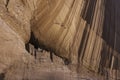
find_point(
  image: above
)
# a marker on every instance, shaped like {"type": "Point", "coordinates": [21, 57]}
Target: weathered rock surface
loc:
{"type": "Point", "coordinates": [83, 34]}
{"type": "Point", "coordinates": [57, 22]}
{"type": "Point", "coordinates": [14, 33]}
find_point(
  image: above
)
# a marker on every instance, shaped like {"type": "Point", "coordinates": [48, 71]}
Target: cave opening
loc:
{"type": "Point", "coordinates": [33, 42]}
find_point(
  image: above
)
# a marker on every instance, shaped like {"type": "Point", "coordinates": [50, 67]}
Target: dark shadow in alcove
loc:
{"type": "Point", "coordinates": [34, 41]}
{"type": "Point", "coordinates": [2, 76]}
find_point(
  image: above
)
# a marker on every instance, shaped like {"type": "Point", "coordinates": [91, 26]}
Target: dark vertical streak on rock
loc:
{"type": "Point", "coordinates": [83, 45]}
{"type": "Point", "coordinates": [51, 56]}
{"type": "Point", "coordinates": [90, 11]}
{"type": "Point", "coordinates": [7, 2]}
{"type": "Point", "coordinates": [34, 41]}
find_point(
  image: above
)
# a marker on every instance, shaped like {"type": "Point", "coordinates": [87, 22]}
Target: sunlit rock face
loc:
{"type": "Point", "coordinates": [55, 25]}
{"type": "Point", "coordinates": [84, 34]}
{"type": "Point", "coordinates": [15, 31]}
{"type": "Point", "coordinates": [17, 15]}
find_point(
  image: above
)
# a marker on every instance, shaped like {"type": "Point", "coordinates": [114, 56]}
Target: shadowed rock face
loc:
{"type": "Point", "coordinates": [84, 33]}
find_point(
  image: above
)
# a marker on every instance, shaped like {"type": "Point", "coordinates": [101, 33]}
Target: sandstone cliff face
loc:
{"type": "Point", "coordinates": [57, 22]}
{"type": "Point", "coordinates": [83, 33]}
{"type": "Point", "coordinates": [14, 33]}
{"type": "Point", "coordinates": [17, 15]}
